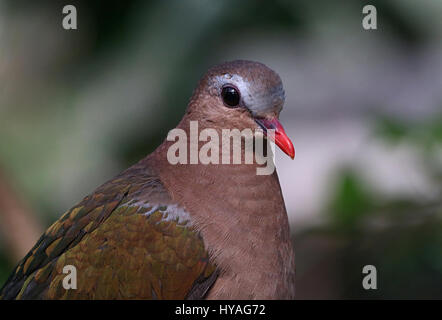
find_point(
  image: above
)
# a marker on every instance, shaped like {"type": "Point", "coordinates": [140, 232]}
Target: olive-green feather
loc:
{"type": "Point", "coordinates": [120, 250]}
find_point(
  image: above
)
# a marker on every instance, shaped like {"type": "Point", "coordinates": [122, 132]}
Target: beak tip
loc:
{"type": "Point", "coordinates": [291, 153]}
{"type": "Point", "coordinates": [287, 147]}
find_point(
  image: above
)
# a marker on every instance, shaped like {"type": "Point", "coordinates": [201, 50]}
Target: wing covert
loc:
{"type": "Point", "coordinates": [127, 240]}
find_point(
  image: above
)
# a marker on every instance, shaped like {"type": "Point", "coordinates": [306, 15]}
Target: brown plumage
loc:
{"type": "Point", "coordinates": [161, 231]}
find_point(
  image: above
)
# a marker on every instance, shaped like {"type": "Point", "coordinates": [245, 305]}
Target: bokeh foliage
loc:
{"type": "Point", "coordinates": [402, 236]}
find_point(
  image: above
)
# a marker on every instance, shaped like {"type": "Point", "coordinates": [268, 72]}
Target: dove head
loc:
{"type": "Point", "coordinates": [242, 94]}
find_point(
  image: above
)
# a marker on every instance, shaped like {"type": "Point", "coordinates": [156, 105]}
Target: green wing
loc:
{"type": "Point", "coordinates": [126, 241]}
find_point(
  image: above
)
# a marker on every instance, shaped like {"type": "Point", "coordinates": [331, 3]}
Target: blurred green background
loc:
{"type": "Point", "coordinates": [364, 109]}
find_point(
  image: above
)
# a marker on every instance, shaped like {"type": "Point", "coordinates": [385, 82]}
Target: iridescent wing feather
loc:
{"type": "Point", "coordinates": [127, 240]}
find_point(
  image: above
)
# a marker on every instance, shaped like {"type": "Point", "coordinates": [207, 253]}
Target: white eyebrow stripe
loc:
{"type": "Point", "coordinates": [240, 83]}
{"type": "Point", "coordinates": [256, 98]}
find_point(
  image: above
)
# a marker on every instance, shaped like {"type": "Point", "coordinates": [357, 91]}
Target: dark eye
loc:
{"type": "Point", "coordinates": [230, 96]}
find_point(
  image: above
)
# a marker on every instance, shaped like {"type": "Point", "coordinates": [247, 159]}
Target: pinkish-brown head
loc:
{"type": "Point", "coordinates": [242, 94]}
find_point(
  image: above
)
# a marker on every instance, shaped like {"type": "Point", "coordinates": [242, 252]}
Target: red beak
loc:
{"type": "Point", "coordinates": [281, 138]}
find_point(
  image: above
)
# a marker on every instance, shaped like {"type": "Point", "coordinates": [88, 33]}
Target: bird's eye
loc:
{"type": "Point", "coordinates": [230, 96]}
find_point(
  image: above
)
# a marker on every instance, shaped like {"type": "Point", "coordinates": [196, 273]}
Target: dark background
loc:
{"type": "Point", "coordinates": [363, 109]}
